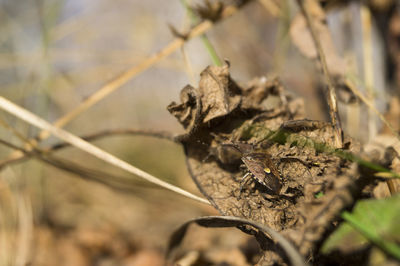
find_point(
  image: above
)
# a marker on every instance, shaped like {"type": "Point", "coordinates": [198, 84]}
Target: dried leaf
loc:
{"type": "Point", "coordinates": [186, 111]}
{"type": "Point", "coordinates": [293, 147]}
{"type": "Point", "coordinates": [258, 90]}
{"type": "Point", "coordinates": [217, 95]}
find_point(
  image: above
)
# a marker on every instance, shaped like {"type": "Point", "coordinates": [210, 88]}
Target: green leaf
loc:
{"type": "Point", "coordinates": [373, 221]}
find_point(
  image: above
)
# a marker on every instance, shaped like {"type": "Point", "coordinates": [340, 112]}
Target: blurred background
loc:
{"type": "Point", "coordinates": [54, 54]}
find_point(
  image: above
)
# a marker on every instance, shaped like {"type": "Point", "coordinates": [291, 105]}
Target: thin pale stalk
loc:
{"type": "Point", "coordinates": [330, 94]}
{"type": "Point", "coordinates": [89, 148]}
{"type": "Point", "coordinates": [90, 138]}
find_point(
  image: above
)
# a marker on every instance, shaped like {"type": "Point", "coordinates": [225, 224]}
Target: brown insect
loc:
{"type": "Point", "coordinates": [262, 170]}
{"type": "Point", "coordinates": [260, 167]}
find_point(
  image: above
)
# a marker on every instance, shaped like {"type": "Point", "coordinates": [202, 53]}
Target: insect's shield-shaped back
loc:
{"type": "Point", "coordinates": [259, 164]}
{"type": "Point", "coordinates": [264, 171]}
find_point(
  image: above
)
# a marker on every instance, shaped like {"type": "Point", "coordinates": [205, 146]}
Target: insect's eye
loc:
{"type": "Point", "coordinates": [267, 170]}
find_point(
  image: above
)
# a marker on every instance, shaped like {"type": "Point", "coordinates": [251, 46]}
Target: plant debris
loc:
{"type": "Point", "coordinates": [316, 186]}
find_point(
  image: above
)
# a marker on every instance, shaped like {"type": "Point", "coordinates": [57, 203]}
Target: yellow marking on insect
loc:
{"type": "Point", "coordinates": [267, 170]}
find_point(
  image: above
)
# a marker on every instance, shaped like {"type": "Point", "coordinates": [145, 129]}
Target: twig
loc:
{"type": "Point", "coordinates": [122, 131]}
{"type": "Point", "coordinates": [330, 93]}
{"type": "Point", "coordinates": [110, 180]}
{"type": "Point", "coordinates": [92, 137]}
{"type": "Point", "coordinates": [89, 148]}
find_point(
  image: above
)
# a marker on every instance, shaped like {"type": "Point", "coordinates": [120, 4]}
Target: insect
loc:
{"type": "Point", "coordinates": [259, 165]}
{"type": "Point", "coordinates": [262, 170]}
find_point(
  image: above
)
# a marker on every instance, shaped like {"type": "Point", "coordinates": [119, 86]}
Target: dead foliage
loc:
{"type": "Point", "coordinates": [265, 119]}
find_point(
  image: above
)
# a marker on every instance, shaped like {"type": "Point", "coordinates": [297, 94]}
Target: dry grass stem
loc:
{"type": "Point", "coordinates": [89, 148]}
{"type": "Point", "coordinates": [119, 183]}
{"type": "Point", "coordinates": [330, 94]}
{"type": "Point", "coordinates": [92, 137]}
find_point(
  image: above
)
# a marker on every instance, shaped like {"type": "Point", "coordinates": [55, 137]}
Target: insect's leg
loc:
{"type": "Point", "coordinates": [209, 155]}
{"type": "Point", "coordinates": [244, 180]}
{"type": "Point", "coordinates": [246, 175]}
